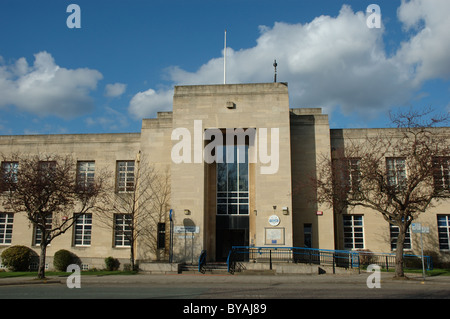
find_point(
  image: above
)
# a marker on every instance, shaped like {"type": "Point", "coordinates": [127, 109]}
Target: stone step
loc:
{"type": "Point", "coordinates": [185, 268]}
{"type": "Point", "coordinates": [213, 267]}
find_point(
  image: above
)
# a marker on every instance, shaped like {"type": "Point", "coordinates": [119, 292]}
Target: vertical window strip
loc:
{"type": "Point", "coordinates": [353, 232]}
{"type": "Point", "coordinates": [441, 173]}
{"type": "Point", "coordinates": [38, 232]}
{"type": "Point", "coordinates": [83, 230]}
{"type": "Point", "coordinates": [232, 183]}
{"type": "Point", "coordinates": [85, 174]}
{"type": "Point", "coordinates": [354, 173]}
{"type": "Point", "coordinates": [6, 228]}
{"type": "Point", "coordinates": [396, 171]}
{"type": "Point", "coordinates": [125, 176]}
{"type": "Point", "coordinates": [443, 222]}
{"type": "Point", "coordinates": [9, 172]}
{"type": "Point", "coordinates": [122, 230]}
{"type": "Point", "coordinates": [393, 231]}
{"type": "Point", "coordinates": [161, 236]}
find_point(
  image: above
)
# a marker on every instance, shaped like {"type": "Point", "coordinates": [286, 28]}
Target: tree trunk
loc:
{"type": "Point", "coordinates": [132, 261]}
{"type": "Point", "coordinates": [132, 256]}
{"type": "Point", "coordinates": [41, 269]}
{"type": "Point", "coordinates": [399, 273]}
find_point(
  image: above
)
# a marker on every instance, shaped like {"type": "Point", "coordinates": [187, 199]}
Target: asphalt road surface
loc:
{"type": "Point", "coordinates": [221, 296]}
{"type": "Point", "coordinates": [229, 287]}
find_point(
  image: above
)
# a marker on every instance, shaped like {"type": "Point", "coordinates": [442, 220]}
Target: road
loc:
{"type": "Point", "coordinates": [229, 287]}
{"type": "Point", "coordinates": [227, 296]}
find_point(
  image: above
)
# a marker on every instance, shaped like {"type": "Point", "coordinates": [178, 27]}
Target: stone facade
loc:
{"type": "Point", "coordinates": [275, 211]}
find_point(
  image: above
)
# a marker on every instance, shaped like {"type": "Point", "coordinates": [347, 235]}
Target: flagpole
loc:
{"type": "Point", "coordinates": [225, 59]}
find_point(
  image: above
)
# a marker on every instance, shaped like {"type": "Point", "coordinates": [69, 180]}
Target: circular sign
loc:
{"type": "Point", "coordinates": [274, 220]}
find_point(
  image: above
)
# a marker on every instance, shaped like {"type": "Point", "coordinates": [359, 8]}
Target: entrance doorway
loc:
{"type": "Point", "coordinates": [227, 238]}
{"type": "Point", "coordinates": [230, 231]}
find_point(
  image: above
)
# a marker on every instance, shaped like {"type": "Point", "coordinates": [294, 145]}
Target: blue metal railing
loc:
{"type": "Point", "coordinates": [202, 261]}
{"type": "Point", "coordinates": [336, 258]}
{"type": "Point", "coordinates": [387, 260]}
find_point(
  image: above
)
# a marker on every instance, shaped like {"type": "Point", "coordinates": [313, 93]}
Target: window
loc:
{"type": "Point", "coordinates": [83, 230]}
{"type": "Point", "coordinates": [125, 176]}
{"type": "Point", "coordinates": [85, 174]}
{"type": "Point", "coordinates": [396, 172]}
{"type": "Point", "coordinates": [9, 175]}
{"type": "Point", "coordinates": [307, 235]}
{"type": "Point", "coordinates": [443, 222]}
{"type": "Point", "coordinates": [441, 173]}
{"type": "Point", "coordinates": [354, 174]}
{"type": "Point", "coordinates": [161, 236]}
{"type": "Point", "coordinates": [347, 173]}
{"type": "Point", "coordinates": [122, 230]}
{"type": "Point", "coordinates": [394, 230]}
{"type": "Point", "coordinates": [232, 181]}
{"type": "Point", "coordinates": [38, 232]}
{"type": "Point", "coordinates": [353, 232]}
{"type": "Point", "coordinates": [47, 168]}
{"type": "Point", "coordinates": [6, 227]}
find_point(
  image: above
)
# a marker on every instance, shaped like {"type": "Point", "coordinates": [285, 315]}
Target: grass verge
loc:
{"type": "Point", "coordinates": [10, 274]}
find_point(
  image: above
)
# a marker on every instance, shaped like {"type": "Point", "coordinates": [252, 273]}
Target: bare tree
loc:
{"type": "Point", "coordinates": [45, 187]}
{"type": "Point", "coordinates": [153, 236]}
{"type": "Point", "coordinates": [399, 173]}
{"type": "Point", "coordinates": [134, 211]}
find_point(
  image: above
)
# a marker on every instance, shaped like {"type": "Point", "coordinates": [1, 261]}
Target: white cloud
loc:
{"type": "Point", "coordinates": [427, 51]}
{"type": "Point", "coordinates": [46, 88]}
{"type": "Point", "coordinates": [148, 103]}
{"type": "Point", "coordinates": [331, 61]}
{"type": "Point", "coordinates": [115, 90]}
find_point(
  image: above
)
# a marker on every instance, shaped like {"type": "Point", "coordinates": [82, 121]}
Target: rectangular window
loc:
{"type": "Point", "coordinates": [122, 230]}
{"type": "Point", "coordinates": [6, 228]}
{"type": "Point", "coordinates": [443, 222]}
{"type": "Point", "coordinates": [85, 174]}
{"type": "Point", "coordinates": [125, 176]}
{"type": "Point", "coordinates": [38, 232]}
{"type": "Point", "coordinates": [396, 172]}
{"type": "Point", "coordinates": [441, 173]}
{"type": "Point", "coordinates": [394, 230]}
{"type": "Point", "coordinates": [347, 175]}
{"type": "Point", "coordinates": [354, 174]}
{"type": "Point", "coordinates": [232, 181]}
{"type": "Point", "coordinates": [83, 230]}
{"type": "Point", "coordinates": [161, 239]}
{"type": "Point", "coordinates": [9, 175]}
{"type": "Point", "coordinates": [47, 167]}
{"type": "Point", "coordinates": [353, 232]}
{"type": "Point", "coordinates": [307, 235]}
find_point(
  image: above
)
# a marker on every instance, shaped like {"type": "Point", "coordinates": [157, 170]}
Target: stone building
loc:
{"type": "Point", "coordinates": [215, 204]}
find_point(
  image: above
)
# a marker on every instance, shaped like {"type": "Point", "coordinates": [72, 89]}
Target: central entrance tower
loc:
{"type": "Point", "coordinates": [228, 200]}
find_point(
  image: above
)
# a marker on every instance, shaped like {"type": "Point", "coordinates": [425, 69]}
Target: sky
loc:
{"type": "Point", "coordinates": [105, 66]}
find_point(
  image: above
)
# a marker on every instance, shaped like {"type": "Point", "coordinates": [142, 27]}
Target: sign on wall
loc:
{"type": "Point", "coordinates": [274, 220]}
{"type": "Point", "coordinates": [186, 229]}
{"type": "Point", "coordinates": [274, 236]}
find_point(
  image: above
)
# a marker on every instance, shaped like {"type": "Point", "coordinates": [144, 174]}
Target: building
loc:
{"type": "Point", "coordinates": [215, 205]}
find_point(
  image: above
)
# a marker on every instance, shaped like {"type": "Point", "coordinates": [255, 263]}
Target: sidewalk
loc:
{"type": "Point", "coordinates": [200, 279]}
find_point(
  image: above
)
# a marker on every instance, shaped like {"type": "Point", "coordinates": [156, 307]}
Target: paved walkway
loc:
{"type": "Point", "coordinates": [226, 278]}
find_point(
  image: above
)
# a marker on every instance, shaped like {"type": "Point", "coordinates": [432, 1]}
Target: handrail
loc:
{"type": "Point", "coordinates": [229, 260]}
{"type": "Point", "coordinates": [201, 260]}
{"type": "Point", "coordinates": [340, 258]}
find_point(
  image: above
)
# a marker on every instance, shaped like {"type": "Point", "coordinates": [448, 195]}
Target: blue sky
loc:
{"type": "Point", "coordinates": [122, 64]}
